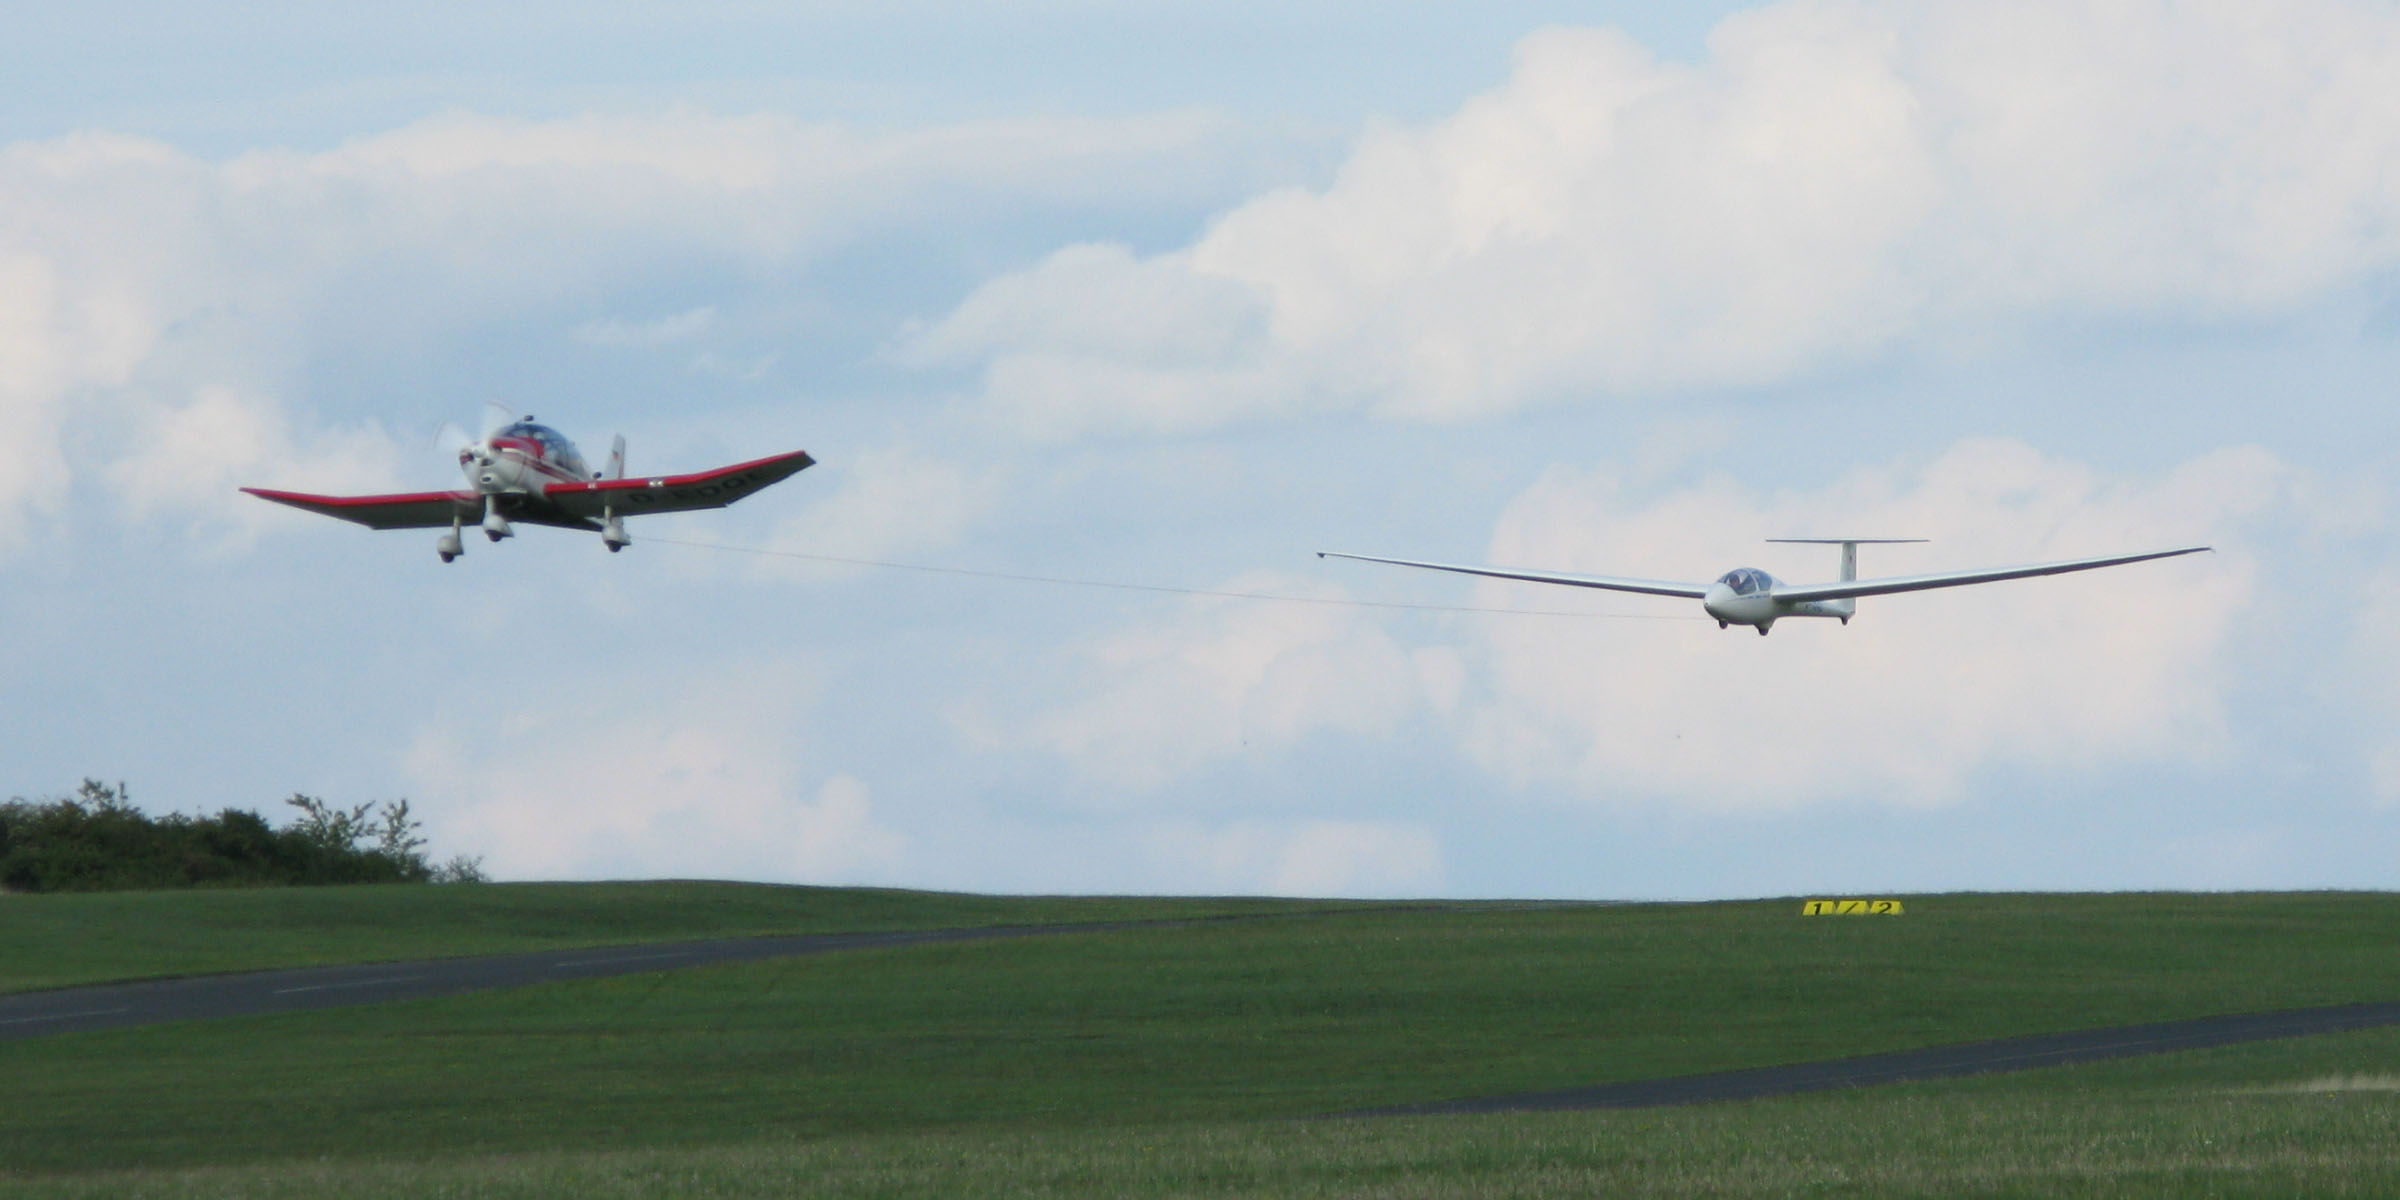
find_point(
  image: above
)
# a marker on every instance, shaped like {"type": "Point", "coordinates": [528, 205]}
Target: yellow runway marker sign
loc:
{"type": "Point", "coordinates": [1849, 908]}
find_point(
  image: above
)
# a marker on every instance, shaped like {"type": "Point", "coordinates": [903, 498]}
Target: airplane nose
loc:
{"type": "Point", "coordinates": [496, 474]}
{"type": "Point", "coordinates": [1717, 598]}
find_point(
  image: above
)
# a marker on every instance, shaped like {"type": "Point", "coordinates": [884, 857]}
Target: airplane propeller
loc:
{"type": "Point", "coordinates": [464, 448]}
{"type": "Point", "coordinates": [455, 441]}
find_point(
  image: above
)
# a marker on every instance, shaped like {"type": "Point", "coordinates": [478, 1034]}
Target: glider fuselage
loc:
{"type": "Point", "coordinates": [1746, 596]}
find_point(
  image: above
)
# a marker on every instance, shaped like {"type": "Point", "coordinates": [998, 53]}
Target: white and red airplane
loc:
{"type": "Point", "coordinates": [1749, 596]}
{"type": "Point", "coordinates": [532, 473]}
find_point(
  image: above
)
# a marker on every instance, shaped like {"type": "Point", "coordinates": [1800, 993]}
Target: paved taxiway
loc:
{"type": "Point", "coordinates": [205, 997]}
{"type": "Point", "coordinates": [1937, 1062]}
{"type": "Point", "coordinates": [304, 989]}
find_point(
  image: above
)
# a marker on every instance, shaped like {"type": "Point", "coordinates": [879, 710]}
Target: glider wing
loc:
{"type": "Point", "coordinates": [1919, 583]}
{"type": "Point", "coordinates": [1648, 587]}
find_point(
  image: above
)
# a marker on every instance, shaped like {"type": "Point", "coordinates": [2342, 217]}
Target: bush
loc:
{"type": "Point", "coordinates": [97, 841]}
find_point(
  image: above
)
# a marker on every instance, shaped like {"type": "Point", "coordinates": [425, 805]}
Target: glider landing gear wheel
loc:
{"type": "Point", "coordinates": [1762, 631]}
{"type": "Point", "coordinates": [1720, 624]}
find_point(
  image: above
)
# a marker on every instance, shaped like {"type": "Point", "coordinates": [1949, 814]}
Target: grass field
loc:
{"type": "Point", "coordinates": [1195, 1060]}
{"type": "Point", "coordinates": [49, 941]}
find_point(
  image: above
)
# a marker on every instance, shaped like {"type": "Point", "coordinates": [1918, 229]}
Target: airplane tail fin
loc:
{"type": "Point", "coordinates": [616, 460]}
{"type": "Point", "coordinates": [1849, 548]}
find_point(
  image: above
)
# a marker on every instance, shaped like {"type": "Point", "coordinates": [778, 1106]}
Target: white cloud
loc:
{"type": "Point", "coordinates": [187, 464]}
{"type": "Point", "coordinates": [2367, 690]}
{"type": "Point", "coordinates": [698, 779]}
{"type": "Point", "coordinates": [1836, 179]}
{"type": "Point", "coordinates": [663, 331]}
{"type": "Point", "coordinates": [81, 299]}
{"type": "Point", "coordinates": [135, 278]}
{"type": "Point", "coordinates": [888, 503]}
{"type": "Point", "coordinates": [1227, 678]}
{"type": "Point", "coordinates": [1299, 858]}
{"type": "Point", "coordinates": [1919, 692]}
{"type": "Point", "coordinates": [836, 838]}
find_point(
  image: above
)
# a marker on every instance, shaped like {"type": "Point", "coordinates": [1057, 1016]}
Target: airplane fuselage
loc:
{"type": "Point", "coordinates": [523, 458]}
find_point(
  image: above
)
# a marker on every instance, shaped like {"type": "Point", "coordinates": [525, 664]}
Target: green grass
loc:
{"type": "Point", "coordinates": [1186, 1060]}
{"type": "Point", "coordinates": [49, 941]}
{"type": "Point", "coordinates": [2239, 1121]}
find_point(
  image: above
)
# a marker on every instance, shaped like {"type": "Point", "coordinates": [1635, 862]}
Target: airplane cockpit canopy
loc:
{"type": "Point", "coordinates": [1748, 581]}
{"type": "Point", "coordinates": [556, 449]}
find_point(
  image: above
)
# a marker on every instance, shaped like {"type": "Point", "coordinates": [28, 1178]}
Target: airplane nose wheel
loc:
{"type": "Point", "coordinates": [495, 526]}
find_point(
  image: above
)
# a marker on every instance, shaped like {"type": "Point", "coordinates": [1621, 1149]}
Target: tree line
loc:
{"type": "Point", "coordinates": [97, 841]}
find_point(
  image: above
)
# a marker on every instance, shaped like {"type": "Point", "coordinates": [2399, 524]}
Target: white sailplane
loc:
{"type": "Point", "coordinates": [1749, 596]}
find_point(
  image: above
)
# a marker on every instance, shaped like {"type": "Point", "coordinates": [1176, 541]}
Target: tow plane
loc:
{"type": "Point", "coordinates": [530, 473]}
{"type": "Point", "coordinates": [1749, 596]}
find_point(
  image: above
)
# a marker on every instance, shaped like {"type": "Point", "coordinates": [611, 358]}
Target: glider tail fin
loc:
{"type": "Point", "coordinates": [1849, 548]}
{"type": "Point", "coordinates": [1844, 608]}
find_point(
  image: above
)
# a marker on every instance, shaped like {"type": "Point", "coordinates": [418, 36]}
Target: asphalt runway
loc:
{"type": "Point", "coordinates": [308, 989]}
{"type": "Point", "coordinates": [1938, 1062]}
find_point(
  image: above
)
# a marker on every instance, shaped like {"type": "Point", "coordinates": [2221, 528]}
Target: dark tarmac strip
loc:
{"type": "Point", "coordinates": [1939, 1062]}
{"type": "Point", "coordinates": [305, 989]}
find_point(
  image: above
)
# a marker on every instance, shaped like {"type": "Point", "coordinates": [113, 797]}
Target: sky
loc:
{"type": "Point", "coordinates": [1168, 297]}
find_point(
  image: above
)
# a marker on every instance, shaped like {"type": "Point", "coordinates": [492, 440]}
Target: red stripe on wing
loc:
{"type": "Point", "coordinates": [676, 493]}
{"type": "Point", "coordinates": [408, 510]}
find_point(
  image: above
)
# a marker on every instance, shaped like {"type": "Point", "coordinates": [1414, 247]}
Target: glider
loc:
{"type": "Point", "coordinates": [1749, 596]}
{"type": "Point", "coordinates": [532, 473]}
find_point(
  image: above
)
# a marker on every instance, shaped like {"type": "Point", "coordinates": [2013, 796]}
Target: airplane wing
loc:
{"type": "Point", "coordinates": [1919, 583]}
{"type": "Point", "coordinates": [673, 493]}
{"type": "Point", "coordinates": [412, 510]}
{"type": "Point", "coordinates": [1648, 587]}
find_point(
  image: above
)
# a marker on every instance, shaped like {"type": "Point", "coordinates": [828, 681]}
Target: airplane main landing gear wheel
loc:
{"type": "Point", "coordinates": [1762, 631]}
{"type": "Point", "coordinates": [612, 529]}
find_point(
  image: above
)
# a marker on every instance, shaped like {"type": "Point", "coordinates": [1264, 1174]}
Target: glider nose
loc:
{"type": "Point", "coordinates": [1719, 602]}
